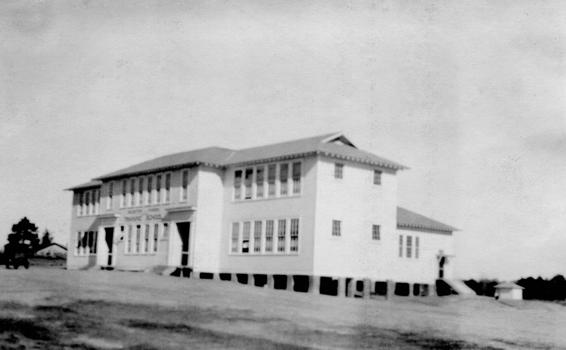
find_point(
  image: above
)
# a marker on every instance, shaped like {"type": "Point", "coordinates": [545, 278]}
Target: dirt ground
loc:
{"type": "Point", "coordinates": [50, 308]}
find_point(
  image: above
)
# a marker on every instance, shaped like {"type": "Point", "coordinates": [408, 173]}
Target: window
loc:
{"type": "Point", "coordinates": [235, 236]}
{"type": "Point", "coordinates": [139, 200]}
{"type": "Point", "coordinates": [271, 176]}
{"type": "Point", "coordinates": [155, 237]}
{"type": "Point", "coordinates": [146, 240]}
{"type": "Point", "coordinates": [110, 195]}
{"type": "Point", "coordinates": [167, 188]}
{"type": "Point", "coordinates": [257, 236]}
{"type": "Point", "coordinates": [336, 228]}
{"type": "Point", "coordinates": [294, 246]}
{"type": "Point", "coordinates": [296, 178]}
{"type": "Point", "coordinates": [149, 189]}
{"type": "Point", "coordinates": [87, 202]}
{"type": "Point", "coordinates": [79, 242]}
{"type": "Point", "coordinates": [96, 201]}
{"type": "Point", "coordinates": [400, 246]}
{"type": "Point", "coordinates": [248, 182]}
{"type": "Point", "coordinates": [416, 247]}
{"type": "Point", "coordinates": [376, 177]}
{"type": "Point", "coordinates": [185, 185]}
{"type": "Point", "coordinates": [281, 233]}
{"type": "Point", "coordinates": [246, 237]}
{"type": "Point", "coordinates": [283, 176]}
{"type": "Point", "coordinates": [123, 197]}
{"type": "Point", "coordinates": [375, 232]}
{"type": "Point", "coordinates": [238, 184]}
{"type": "Point", "coordinates": [409, 246]}
{"type": "Point", "coordinates": [80, 205]}
{"type": "Point", "coordinates": [338, 170]}
{"type": "Point", "coordinates": [132, 191]}
{"type": "Point", "coordinates": [138, 239]}
{"type": "Point", "coordinates": [269, 236]}
{"type": "Point", "coordinates": [158, 189]}
{"type": "Point", "coordinates": [259, 181]}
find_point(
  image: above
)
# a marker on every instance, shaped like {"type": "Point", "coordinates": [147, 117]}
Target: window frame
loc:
{"type": "Point", "coordinates": [338, 170]}
{"type": "Point", "coordinates": [336, 228]}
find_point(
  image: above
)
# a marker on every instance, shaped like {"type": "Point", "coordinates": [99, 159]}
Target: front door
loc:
{"type": "Point", "coordinates": [184, 229]}
{"type": "Point", "coordinates": [109, 242]}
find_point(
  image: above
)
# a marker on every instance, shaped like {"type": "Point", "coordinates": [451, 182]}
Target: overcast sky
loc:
{"type": "Point", "coordinates": [469, 94]}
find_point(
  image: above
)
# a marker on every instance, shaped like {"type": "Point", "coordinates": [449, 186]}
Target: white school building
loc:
{"type": "Point", "coordinates": [312, 214]}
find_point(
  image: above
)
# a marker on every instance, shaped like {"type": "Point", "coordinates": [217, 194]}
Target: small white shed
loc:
{"type": "Point", "coordinates": [508, 291]}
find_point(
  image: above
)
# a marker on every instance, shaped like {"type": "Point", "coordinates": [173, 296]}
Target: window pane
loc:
{"type": "Point", "coordinates": [140, 191]}
{"type": "Point", "coordinates": [238, 184]}
{"type": "Point", "coordinates": [138, 238]}
{"type": "Point", "coordinates": [377, 177]}
{"type": "Point", "coordinates": [416, 247]}
{"type": "Point", "coordinates": [294, 235]}
{"type": "Point", "coordinates": [167, 187]}
{"type": "Point", "coordinates": [257, 236]}
{"type": "Point", "coordinates": [246, 237]}
{"type": "Point", "coordinates": [281, 232]}
{"type": "Point", "coordinates": [185, 185]}
{"type": "Point", "coordinates": [409, 246]}
{"type": "Point", "coordinates": [269, 236]}
{"type": "Point", "coordinates": [248, 182]}
{"type": "Point", "coordinates": [149, 189]}
{"type": "Point", "coordinates": [283, 176]}
{"type": "Point", "coordinates": [338, 170]}
{"type": "Point", "coordinates": [259, 181]}
{"type": "Point", "coordinates": [400, 246]}
{"type": "Point", "coordinates": [146, 235]}
{"type": "Point", "coordinates": [297, 178]}
{"type": "Point", "coordinates": [130, 239]}
{"type": "Point", "coordinates": [158, 189]}
{"type": "Point", "coordinates": [336, 228]}
{"type": "Point", "coordinates": [375, 232]}
{"type": "Point", "coordinates": [235, 238]}
{"type": "Point", "coordinates": [271, 169]}
{"type": "Point", "coordinates": [132, 190]}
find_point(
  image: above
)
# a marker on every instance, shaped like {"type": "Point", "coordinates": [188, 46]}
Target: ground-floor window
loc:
{"type": "Point", "coordinates": [258, 236]}
{"type": "Point", "coordinates": [86, 242]}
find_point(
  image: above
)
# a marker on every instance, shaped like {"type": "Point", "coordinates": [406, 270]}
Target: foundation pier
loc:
{"type": "Point", "coordinates": [290, 283]}
{"type": "Point", "coordinates": [390, 289]}
{"type": "Point", "coordinates": [314, 284]}
{"type": "Point", "coordinates": [351, 290]}
{"type": "Point", "coordinates": [367, 288]}
{"type": "Point", "coordinates": [341, 286]}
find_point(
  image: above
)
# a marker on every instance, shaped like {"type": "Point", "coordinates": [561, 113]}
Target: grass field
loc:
{"type": "Point", "coordinates": [49, 308]}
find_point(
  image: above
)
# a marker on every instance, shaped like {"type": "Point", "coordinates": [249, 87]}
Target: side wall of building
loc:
{"type": "Point", "coordinates": [358, 204]}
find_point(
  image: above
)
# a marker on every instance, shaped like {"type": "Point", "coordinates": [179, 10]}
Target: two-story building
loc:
{"type": "Point", "coordinates": [318, 210]}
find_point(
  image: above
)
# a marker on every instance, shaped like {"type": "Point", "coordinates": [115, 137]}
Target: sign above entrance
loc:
{"type": "Point", "coordinates": [143, 215]}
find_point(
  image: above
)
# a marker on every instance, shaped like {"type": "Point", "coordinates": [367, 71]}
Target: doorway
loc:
{"type": "Point", "coordinates": [184, 229]}
{"type": "Point", "coordinates": [441, 262]}
{"type": "Point", "coordinates": [109, 238]}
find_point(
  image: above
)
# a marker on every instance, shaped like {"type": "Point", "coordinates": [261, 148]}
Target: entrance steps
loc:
{"type": "Point", "coordinates": [459, 287]}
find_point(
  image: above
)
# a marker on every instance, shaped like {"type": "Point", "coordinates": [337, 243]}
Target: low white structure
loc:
{"type": "Point", "coordinates": [508, 291]}
{"type": "Point", "coordinates": [54, 250]}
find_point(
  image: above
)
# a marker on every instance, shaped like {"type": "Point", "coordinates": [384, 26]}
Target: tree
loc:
{"type": "Point", "coordinates": [46, 239]}
{"type": "Point", "coordinates": [24, 232]}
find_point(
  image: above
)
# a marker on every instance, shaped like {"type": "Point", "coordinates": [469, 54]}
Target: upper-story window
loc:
{"type": "Point", "coordinates": [238, 184]}
{"type": "Point", "coordinates": [260, 182]}
{"type": "Point", "coordinates": [158, 189]}
{"type": "Point", "coordinates": [185, 185]}
{"type": "Point", "coordinates": [248, 180]}
{"type": "Point", "coordinates": [235, 236]}
{"type": "Point", "coordinates": [376, 177]}
{"type": "Point", "coordinates": [249, 183]}
{"type": "Point", "coordinates": [167, 187]}
{"type": "Point", "coordinates": [96, 201]}
{"type": "Point", "coordinates": [336, 228]}
{"type": "Point", "coordinates": [283, 177]}
{"type": "Point", "coordinates": [271, 176]}
{"type": "Point", "coordinates": [139, 199]}
{"type": "Point", "coordinates": [123, 196]}
{"type": "Point", "coordinates": [338, 170]}
{"type": "Point", "coordinates": [296, 177]}
{"type": "Point", "coordinates": [110, 195]}
{"type": "Point", "coordinates": [80, 195]}
{"type": "Point", "coordinates": [149, 189]}
{"type": "Point", "coordinates": [87, 203]}
{"type": "Point", "coordinates": [376, 232]}
{"type": "Point", "coordinates": [132, 191]}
